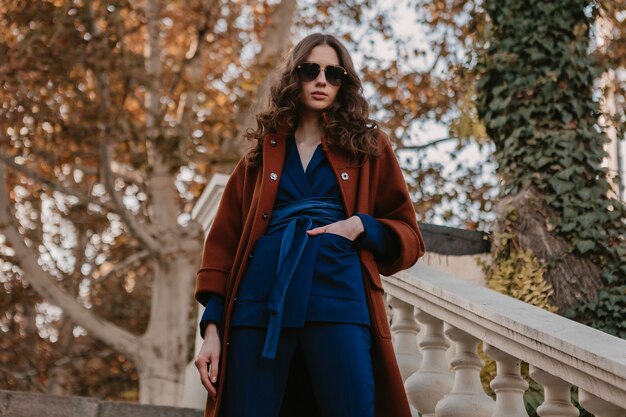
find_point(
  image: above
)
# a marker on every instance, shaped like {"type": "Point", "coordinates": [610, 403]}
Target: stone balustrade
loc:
{"type": "Point", "coordinates": [438, 322]}
{"type": "Point", "coordinates": [452, 313]}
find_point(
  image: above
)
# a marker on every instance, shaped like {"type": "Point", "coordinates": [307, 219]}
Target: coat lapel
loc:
{"type": "Point", "coordinates": [273, 158]}
{"type": "Point", "coordinates": [347, 176]}
{"type": "Point", "coordinates": [274, 151]}
{"type": "Point", "coordinates": [293, 170]}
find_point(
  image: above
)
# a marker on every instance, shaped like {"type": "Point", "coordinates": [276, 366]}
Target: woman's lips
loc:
{"type": "Point", "coordinates": [319, 96]}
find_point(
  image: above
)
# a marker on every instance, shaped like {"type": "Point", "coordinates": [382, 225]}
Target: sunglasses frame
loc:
{"type": "Point", "coordinates": [320, 69]}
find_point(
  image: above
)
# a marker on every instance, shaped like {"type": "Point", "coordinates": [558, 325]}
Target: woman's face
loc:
{"type": "Point", "coordinates": [319, 94]}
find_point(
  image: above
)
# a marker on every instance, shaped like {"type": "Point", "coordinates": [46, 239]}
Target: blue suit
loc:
{"type": "Point", "coordinates": [295, 279]}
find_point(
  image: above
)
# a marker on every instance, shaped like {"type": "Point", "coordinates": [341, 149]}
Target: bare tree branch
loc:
{"type": "Point", "coordinates": [46, 286]}
{"type": "Point", "coordinates": [191, 68]}
{"type": "Point", "coordinates": [426, 145]}
{"type": "Point", "coordinates": [275, 43]}
{"type": "Point", "coordinates": [161, 187]}
{"type": "Point", "coordinates": [140, 231]}
{"type": "Point", "coordinates": [206, 18]}
{"type": "Point", "coordinates": [82, 198]}
{"type": "Point", "coordinates": [128, 261]}
{"type": "Point", "coordinates": [128, 175]}
{"type": "Point", "coordinates": [435, 62]}
{"type": "Point", "coordinates": [153, 66]}
{"type": "Point", "coordinates": [120, 170]}
{"type": "Point", "coordinates": [224, 160]}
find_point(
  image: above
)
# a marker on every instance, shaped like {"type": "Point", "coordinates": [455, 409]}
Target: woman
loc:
{"type": "Point", "coordinates": [295, 323]}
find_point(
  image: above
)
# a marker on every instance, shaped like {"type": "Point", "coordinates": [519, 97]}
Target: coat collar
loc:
{"type": "Point", "coordinates": [274, 150]}
{"type": "Point", "coordinates": [337, 159]}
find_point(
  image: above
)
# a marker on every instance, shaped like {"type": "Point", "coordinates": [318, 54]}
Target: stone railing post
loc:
{"type": "Point", "coordinates": [557, 395]}
{"type": "Point", "coordinates": [467, 397]}
{"type": "Point", "coordinates": [433, 378]}
{"type": "Point", "coordinates": [508, 384]}
{"type": "Point", "coordinates": [598, 406]}
{"type": "Point", "coordinates": [404, 329]}
{"type": "Point", "coordinates": [388, 308]}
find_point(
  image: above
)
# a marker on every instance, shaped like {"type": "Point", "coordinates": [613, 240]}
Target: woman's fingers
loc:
{"type": "Point", "coordinates": [317, 231]}
{"type": "Point", "coordinates": [210, 386]}
{"type": "Point", "coordinates": [207, 363]}
{"type": "Point", "coordinates": [339, 228]}
{"type": "Point", "coordinates": [215, 360]}
{"type": "Point", "coordinates": [203, 368]}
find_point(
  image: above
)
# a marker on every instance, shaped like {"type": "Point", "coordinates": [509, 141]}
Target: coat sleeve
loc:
{"type": "Point", "coordinates": [222, 241]}
{"type": "Point", "coordinates": [212, 314]}
{"type": "Point", "coordinates": [376, 238]}
{"type": "Point", "coordinates": [394, 210]}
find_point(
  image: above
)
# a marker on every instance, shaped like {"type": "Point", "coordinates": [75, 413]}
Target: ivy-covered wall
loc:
{"type": "Point", "coordinates": [534, 95]}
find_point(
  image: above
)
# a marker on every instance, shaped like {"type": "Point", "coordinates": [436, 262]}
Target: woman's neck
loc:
{"type": "Point", "coordinates": [309, 130]}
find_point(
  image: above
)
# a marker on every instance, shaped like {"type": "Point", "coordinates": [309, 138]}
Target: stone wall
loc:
{"type": "Point", "coordinates": [27, 404]}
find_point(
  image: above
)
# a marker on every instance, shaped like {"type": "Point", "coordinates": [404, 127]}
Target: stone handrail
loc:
{"type": "Point", "coordinates": [561, 353]}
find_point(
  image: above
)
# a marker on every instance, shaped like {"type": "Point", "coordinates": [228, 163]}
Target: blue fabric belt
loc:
{"type": "Point", "coordinates": [294, 219]}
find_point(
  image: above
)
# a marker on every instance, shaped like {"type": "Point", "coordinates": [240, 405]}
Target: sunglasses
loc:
{"type": "Point", "coordinates": [308, 71]}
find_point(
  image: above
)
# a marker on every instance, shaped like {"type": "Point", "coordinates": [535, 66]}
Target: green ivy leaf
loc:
{"type": "Point", "coordinates": [584, 246]}
{"type": "Point", "coordinates": [560, 186]}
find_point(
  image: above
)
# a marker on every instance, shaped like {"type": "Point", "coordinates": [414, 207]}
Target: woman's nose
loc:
{"type": "Point", "coordinates": [321, 77]}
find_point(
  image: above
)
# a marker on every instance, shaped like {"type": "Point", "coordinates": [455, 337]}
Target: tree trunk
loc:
{"type": "Point", "coordinates": [535, 97]}
{"type": "Point", "coordinates": [573, 278]}
{"type": "Point", "coordinates": [275, 44]}
{"type": "Point", "coordinates": [161, 366]}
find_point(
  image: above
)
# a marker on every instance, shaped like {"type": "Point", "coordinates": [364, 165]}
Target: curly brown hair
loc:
{"type": "Point", "coordinates": [346, 122]}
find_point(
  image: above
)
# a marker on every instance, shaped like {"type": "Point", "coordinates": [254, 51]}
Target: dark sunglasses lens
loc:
{"type": "Point", "coordinates": [334, 75]}
{"type": "Point", "coordinates": [308, 72]}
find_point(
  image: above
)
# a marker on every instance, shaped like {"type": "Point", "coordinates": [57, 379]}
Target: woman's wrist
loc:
{"type": "Point", "coordinates": [358, 225]}
{"type": "Point", "coordinates": [212, 330]}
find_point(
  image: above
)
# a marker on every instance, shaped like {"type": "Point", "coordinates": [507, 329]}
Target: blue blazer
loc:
{"type": "Point", "coordinates": [327, 282]}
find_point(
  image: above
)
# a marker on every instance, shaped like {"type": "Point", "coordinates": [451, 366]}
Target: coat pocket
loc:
{"type": "Point", "coordinates": [376, 281]}
{"type": "Point", "coordinates": [378, 314]}
{"type": "Point", "coordinates": [373, 276]}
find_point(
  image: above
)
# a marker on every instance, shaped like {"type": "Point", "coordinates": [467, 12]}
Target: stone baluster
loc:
{"type": "Point", "coordinates": [433, 378]}
{"type": "Point", "coordinates": [404, 329]}
{"type": "Point", "coordinates": [557, 395]}
{"type": "Point", "coordinates": [467, 397]}
{"type": "Point", "coordinates": [388, 308]}
{"type": "Point", "coordinates": [508, 384]}
{"type": "Point", "coordinates": [598, 406]}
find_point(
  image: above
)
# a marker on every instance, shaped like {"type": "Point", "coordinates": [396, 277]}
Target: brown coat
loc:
{"type": "Point", "coordinates": [376, 188]}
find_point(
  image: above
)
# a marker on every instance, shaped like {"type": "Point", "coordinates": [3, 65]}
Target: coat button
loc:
{"type": "Point", "coordinates": [273, 143]}
{"type": "Point", "coordinates": [344, 176]}
{"type": "Point", "coordinates": [265, 216]}
{"type": "Point", "coordinates": [273, 176]}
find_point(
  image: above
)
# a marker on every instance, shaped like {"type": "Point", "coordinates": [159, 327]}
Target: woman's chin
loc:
{"type": "Point", "coordinates": [316, 107]}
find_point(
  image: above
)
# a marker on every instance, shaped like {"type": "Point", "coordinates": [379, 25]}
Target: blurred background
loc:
{"type": "Point", "coordinates": [114, 115]}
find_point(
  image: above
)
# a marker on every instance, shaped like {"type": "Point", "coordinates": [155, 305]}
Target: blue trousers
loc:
{"type": "Point", "coordinates": [335, 357]}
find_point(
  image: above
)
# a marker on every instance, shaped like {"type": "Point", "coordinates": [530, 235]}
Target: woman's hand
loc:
{"type": "Point", "coordinates": [349, 228]}
{"type": "Point", "coordinates": [208, 359]}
